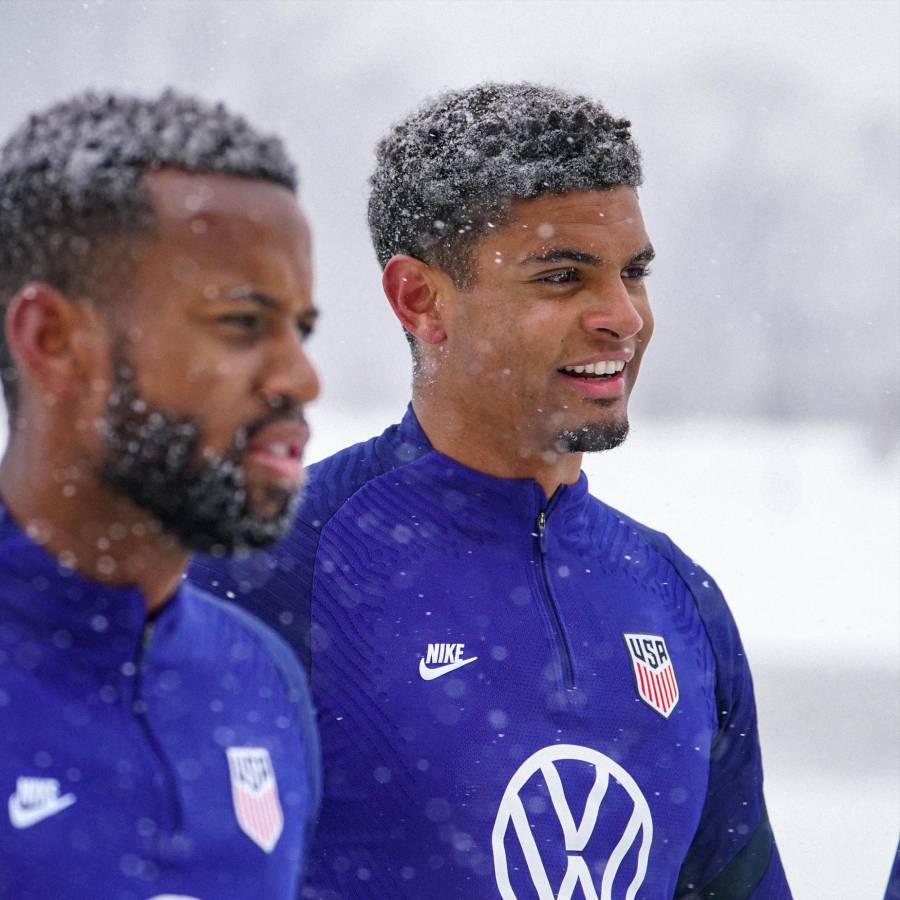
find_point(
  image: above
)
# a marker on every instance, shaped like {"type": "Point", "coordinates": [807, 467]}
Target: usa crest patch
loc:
{"type": "Point", "coordinates": [654, 674]}
{"type": "Point", "coordinates": [254, 792]}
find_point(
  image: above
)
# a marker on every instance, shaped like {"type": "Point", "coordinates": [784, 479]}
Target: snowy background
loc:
{"type": "Point", "coordinates": [766, 422]}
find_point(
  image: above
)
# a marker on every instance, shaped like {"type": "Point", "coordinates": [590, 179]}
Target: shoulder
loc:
{"type": "Point", "coordinates": [330, 483]}
{"type": "Point", "coordinates": [276, 584]}
{"type": "Point", "coordinates": [271, 653]}
{"type": "Point", "coordinates": [282, 662]}
{"type": "Point", "coordinates": [657, 540]}
{"type": "Point", "coordinates": [700, 583]}
{"type": "Point", "coordinates": [230, 617]}
{"type": "Point", "coordinates": [710, 603]}
{"type": "Point", "coordinates": [334, 480]}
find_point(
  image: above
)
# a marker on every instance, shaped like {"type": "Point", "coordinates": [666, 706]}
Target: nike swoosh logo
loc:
{"type": "Point", "coordinates": [24, 817]}
{"type": "Point", "coordinates": [429, 674]}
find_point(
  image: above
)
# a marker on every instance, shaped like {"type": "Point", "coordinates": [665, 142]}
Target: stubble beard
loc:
{"type": "Point", "coordinates": [153, 459]}
{"type": "Point", "coordinates": [593, 437]}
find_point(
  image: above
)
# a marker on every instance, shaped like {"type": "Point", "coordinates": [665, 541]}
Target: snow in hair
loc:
{"type": "Point", "coordinates": [70, 177]}
{"type": "Point", "coordinates": [75, 168]}
{"type": "Point", "coordinates": [454, 165]}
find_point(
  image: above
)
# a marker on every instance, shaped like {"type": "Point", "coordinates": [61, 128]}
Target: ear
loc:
{"type": "Point", "coordinates": [412, 289]}
{"type": "Point", "coordinates": [45, 334]}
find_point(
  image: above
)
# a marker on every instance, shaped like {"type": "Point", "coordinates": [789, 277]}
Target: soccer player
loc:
{"type": "Point", "coordinates": [523, 693]}
{"type": "Point", "coordinates": [155, 275]}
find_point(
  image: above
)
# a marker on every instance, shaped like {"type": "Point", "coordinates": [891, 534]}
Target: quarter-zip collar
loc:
{"type": "Point", "coordinates": [514, 503]}
{"type": "Point", "coordinates": [102, 624]}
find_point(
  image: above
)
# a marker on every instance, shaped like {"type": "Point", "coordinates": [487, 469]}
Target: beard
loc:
{"type": "Point", "coordinates": [153, 458]}
{"type": "Point", "coordinates": [592, 437]}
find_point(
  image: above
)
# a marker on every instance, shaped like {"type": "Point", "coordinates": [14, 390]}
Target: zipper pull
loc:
{"type": "Point", "coordinates": [541, 530]}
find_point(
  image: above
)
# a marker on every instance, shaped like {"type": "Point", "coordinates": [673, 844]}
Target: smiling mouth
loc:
{"type": "Point", "coordinates": [605, 370]}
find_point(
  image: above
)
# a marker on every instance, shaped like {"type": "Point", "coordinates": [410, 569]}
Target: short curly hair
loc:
{"type": "Point", "coordinates": [456, 163]}
{"type": "Point", "coordinates": [70, 181]}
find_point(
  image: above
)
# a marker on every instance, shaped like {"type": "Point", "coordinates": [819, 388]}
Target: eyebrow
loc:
{"type": "Point", "coordinates": [645, 254]}
{"type": "Point", "coordinates": [248, 292]}
{"type": "Point", "coordinates": [567, 254]}
{"type": "Point", "coordinates": [563, 254]}
{"type": "Point", "coordinates": [267, 301]}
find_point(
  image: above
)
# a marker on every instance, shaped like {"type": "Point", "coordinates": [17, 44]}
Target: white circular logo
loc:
{"type": "Point", "coordinates": [576, 836]}
{"type": "Point", "coordinates": [172, 897]}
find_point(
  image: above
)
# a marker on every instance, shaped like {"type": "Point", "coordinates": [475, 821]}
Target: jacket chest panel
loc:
{"type": "Point", "coordinates": [455, 694]}
{"type": "Point", "coordinates": [107, 782]}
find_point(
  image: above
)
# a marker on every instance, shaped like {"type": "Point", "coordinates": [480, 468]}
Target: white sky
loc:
{"type": "Point", "coordinates": [846, 49]}
{"type": "Point", "coordinates": [331, 76]}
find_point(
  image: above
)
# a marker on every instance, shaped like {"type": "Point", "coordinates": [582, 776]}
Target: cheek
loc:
{"type": "Point", "coordinates": [213, 391]}
{"type": "Point", "coordinates": [205, 373]}
{"type": "Point", "coordinates": [190, 363]}
{"type": "Point", "coordinates": [501, 343]}
{"type": "Point", "coordinates": [503, 355]}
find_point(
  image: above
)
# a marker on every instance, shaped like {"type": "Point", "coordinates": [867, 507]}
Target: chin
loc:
{"type": "Point", "coordinates": [593, 437]}
{"type": "Point", "coordinates": [269, 499]}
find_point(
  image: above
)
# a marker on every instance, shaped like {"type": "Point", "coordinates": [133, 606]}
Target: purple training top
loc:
{"type": "Point", "coordinates": [519, 697]}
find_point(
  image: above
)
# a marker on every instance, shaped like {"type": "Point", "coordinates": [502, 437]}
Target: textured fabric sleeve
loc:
{"type": "Point", "coordinates": [733, 855]}
{"type": "Point", "coordinates": [297, 687]}
{"type": "Point", "coordinates": [275, 585]}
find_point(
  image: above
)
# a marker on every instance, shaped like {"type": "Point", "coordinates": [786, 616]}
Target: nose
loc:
{"type": "Point", "coordinates": [290, 379]}
{"type": "Point", "coordinates": [613, 311]}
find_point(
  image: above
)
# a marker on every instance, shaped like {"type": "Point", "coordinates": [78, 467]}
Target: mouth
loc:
{"type": "Point", "coordinates": [278, 449]}
{"type": "Point", "coordinates": [601, 379]}
{"type": "Point", "coordinates": [604, 369]}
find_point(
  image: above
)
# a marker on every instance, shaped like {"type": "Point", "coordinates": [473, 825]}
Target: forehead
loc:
{"type": "Point", "coordinates": [222, 215]}
{"type": "Point", "coordinates": [590, 220]}
{"type": "Point", "coordinates": [179, 195]}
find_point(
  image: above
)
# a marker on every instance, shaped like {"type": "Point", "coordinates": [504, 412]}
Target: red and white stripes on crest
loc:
{"type": "Point", "coordinates": [254, 792]}
{"type": "Point", "coordinates": [261, 815]}
{"type": "Point", "coordinates": [661, 686]}
{"type": "Point", "coordinates": [654, 672]}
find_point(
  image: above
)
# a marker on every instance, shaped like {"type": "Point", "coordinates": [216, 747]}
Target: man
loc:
{"type": "Point", "coordinates": [522, 692]}
{"type": "Point", "coordinates": [155, 274]}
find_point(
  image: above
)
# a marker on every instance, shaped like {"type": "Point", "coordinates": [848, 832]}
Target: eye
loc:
{"type": "Point", "coordinates": [246, 323]}
{"type": "Point", "coordinates": [635, 273]}
{"type": "Point", "coordinates": [564, 276]}
{"type": "Point", "coordinates": [306, 328]}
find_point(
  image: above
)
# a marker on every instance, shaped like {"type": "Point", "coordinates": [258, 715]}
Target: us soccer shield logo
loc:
{"type": "Point", "coordinates": [654, 674]}
{"type": "Point", "coordinates": [254, 792]}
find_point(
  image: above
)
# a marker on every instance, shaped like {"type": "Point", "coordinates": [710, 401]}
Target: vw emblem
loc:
{"type": "Point", "coordinates": [597, 885]}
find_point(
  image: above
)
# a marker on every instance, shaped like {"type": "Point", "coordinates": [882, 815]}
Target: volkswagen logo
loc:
{"type": "Point", "coordinates": [599, 880]}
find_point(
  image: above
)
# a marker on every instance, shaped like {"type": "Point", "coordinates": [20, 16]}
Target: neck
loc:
{"type": "Point", "coordinates": [62, 506]}
{"type": "Point", "coordinates": [489, 445]}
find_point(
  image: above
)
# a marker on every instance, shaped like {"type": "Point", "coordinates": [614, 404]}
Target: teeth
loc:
{"type": "Point", "coordinates": [604, 367]}
{"type": "Point", "coordinates": [280, 449]}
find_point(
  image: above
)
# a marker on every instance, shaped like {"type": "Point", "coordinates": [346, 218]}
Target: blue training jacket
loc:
{"type": "Point", "coordinates": [171, 758]}
{"type": "Point", "coordinates": [518, 697]}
